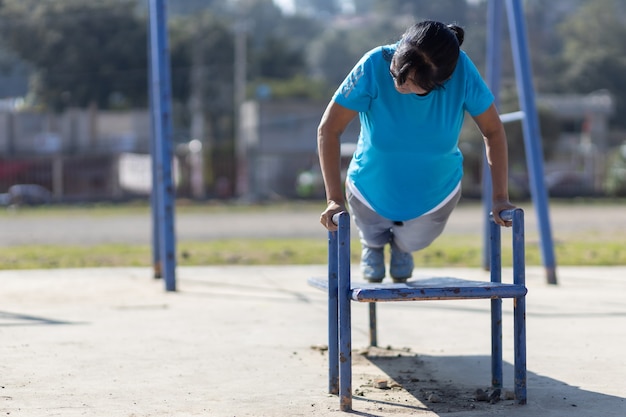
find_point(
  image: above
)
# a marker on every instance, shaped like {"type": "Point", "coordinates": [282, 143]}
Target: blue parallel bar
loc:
{"type": "Point", "coordinates": [496, 305]}
{"type": "Point", "coordinates": [339, 286]}
{"type": "Point", "coordinates": [333, 315]}
{"type": "Point", "coordinates": [519, 307]}
{"type": "Point", "coordinates": [345, 336]}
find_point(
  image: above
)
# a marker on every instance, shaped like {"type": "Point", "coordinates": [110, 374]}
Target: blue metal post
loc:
{"type": "Point", "coordinates": [156, 229]}
{"type": "Point", "coordinates": [162, 153]}
{"type": "Point", "coordinates": [373, 325]}
{"type": "Point", "coordinates": [519, 307]}
{"type": "Point", "coordinates": [496, 305]}
{"type": "Point", "coordinates": [154, 198]}
{"type": "Point", "coordinates": [493, 73]}
{"type": "Point", "coordinates": [345, 326]}
{"type": "Point", "coordinates": [333, 315]}
{"type": "Point", "coordinates": [532, 135]}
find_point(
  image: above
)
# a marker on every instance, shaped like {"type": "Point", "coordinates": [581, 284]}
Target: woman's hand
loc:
{"type": "Point", "coordinates": [496, 207]}
{"type": "Point", "coordinates": [327, 215]}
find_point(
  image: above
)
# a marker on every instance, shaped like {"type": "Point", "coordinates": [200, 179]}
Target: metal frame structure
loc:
{"type": "Point", "coordinates": [341, 292]}
{"type": "Point", "coordinates": [529, 117]}
{"type": "Point", "coordinates": [164, 240]}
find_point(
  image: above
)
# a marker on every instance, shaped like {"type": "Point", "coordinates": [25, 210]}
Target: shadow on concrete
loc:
{"type": "Point", "coordinates": [273, 291]}
{"type": "Point", "coordinates": [8, 319]}
{"type": "Point", "coordinates": [448, 384]}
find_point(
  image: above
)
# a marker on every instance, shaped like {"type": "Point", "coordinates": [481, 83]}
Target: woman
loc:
{"type": "Point", "coordinates": [404, 179]}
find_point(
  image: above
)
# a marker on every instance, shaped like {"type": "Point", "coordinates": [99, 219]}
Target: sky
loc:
{"type": "Point", "coordinates": [286, 6]}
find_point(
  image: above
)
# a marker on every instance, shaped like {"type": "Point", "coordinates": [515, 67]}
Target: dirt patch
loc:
{"type": "Point", "coordinates": [398, 379]}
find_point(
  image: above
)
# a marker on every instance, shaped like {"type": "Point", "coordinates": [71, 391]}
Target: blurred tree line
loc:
{"type": "Point", "coordinates": [94, 53]}
{"type": "Point", "coordinates": [82, 51]}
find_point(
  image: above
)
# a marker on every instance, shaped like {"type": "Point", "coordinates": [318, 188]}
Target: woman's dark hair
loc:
{"type": "Point", "coordinates": [430, 51]}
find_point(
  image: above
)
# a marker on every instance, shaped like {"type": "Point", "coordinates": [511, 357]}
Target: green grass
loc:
{"type": "Point", "coordinates": [451, 251]}
{"type": "Point", "coordinates": [467, 251]}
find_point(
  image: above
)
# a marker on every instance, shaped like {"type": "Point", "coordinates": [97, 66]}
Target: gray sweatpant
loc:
{"type": "Point", "coordinates": [412, 235]}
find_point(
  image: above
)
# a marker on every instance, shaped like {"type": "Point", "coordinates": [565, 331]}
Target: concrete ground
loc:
{"type": "Point", "coordinates": [248, 341]}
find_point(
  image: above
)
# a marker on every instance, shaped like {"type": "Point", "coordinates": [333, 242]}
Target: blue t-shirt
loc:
{"type": "Point", "coordinates": [407, 159]}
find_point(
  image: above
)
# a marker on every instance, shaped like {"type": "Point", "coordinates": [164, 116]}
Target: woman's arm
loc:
{"type": "Point", "coordinates": [334, 121]}
{"type": "Point", "coordinates": [494, 136]}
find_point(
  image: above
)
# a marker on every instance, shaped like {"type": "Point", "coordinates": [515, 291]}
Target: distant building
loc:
{"type": "Point", "coordinates": [583, 144]}
{"type": "Point", "coordinates": [280, 142]}
{"type": "Point", "coordinates": [75, 155]}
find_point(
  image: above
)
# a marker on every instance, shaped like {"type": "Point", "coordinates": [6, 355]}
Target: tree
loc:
{"type": "Point", "coordinates": [594, 55]}
{"type": "Point", "coordinates": [83, 52]}
{"type": "Point", "coordinates": [448, 11]}
{"type": "Point", "coordinates": [337, 49]}
{"type": "Point", "coordinates": [202, 60]}
{"type": "Point", "coordinates": [318, 7]}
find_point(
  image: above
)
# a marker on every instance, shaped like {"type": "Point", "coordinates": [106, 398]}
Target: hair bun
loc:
{"type": "Point", "coordinates": [458, 32]}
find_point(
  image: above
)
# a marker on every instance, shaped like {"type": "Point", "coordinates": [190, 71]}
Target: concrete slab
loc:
{"type": "Point", "coordinates": [246, 341]}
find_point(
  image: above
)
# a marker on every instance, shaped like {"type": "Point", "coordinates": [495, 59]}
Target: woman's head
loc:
{"type": "Point", "coordinates": [427, 54]}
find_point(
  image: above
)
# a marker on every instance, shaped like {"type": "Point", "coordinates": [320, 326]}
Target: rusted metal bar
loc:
{"type": "Point", "coordinates": [373, 330]}
{"type": "Point", "coordinates": [333, 314]}
{"type": "Point", "coordinates": [345, 330]}
{"type": "Point", "coordinates": [519, 307]}
{"type": "Point", "coordinates": [495, 259]}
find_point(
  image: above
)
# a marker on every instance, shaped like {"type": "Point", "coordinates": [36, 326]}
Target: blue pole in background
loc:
{"type": "Point", "coordinates": [154, 198]}
{"type": "Point", "coordinates": [493, 75]}
{"type": "Point", "coordinates": [162, 153]}
{"type": "Point", "coordinates": [532, 135]}
{"type": "Point", "coordinates": [154, 203]}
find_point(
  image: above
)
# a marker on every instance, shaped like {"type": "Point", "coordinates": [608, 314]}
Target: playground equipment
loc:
{"type": "Point", "coordinates": [164, 238]}
{"type": "Point", "coordinates": [341, 291]}
{"type": "Point", "coordinates": [528, 116]}
{"type": "Point", "coordinates": [162, 197]}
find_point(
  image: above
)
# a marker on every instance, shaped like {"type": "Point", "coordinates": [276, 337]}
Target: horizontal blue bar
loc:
{"type": "Point", "coordinates": [443, 288]}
